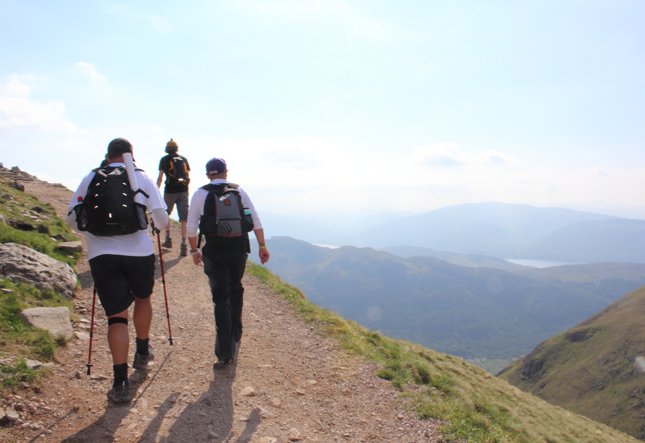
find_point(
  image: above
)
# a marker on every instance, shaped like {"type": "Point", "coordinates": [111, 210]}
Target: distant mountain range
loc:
{"type": "Point", "coordinates": [474, 312]}
{"type": "Point", "coordinates": [596, 368]}
{"type": "Point", "coordinates": [491, 229]}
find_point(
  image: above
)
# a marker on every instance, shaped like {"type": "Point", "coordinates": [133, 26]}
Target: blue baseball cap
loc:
{"type": "Point", "coordinates": [216, 166]}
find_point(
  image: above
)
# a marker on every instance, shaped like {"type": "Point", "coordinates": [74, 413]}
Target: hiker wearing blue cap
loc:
{"type": "Point", "coordinates": [223, 214]}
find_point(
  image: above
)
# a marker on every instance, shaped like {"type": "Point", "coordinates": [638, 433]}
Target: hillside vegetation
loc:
{"type": "Point", "coordinates": [476, 406]}
{"type": "Point", "coordinates": [596, 368]}
{"type": "Point", "coordinates": [476, 313]}
{"type": "Point", "coordinates": [26, 220]}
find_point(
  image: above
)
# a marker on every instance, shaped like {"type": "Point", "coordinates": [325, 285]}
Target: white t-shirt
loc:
{"type": "Point", "coordinates": [137, 244]}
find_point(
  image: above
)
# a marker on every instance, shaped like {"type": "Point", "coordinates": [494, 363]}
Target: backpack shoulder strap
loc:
{"type": "Point", "coordinates": [221, 187]}
{"type": "Point", "coordinates": [207, 208]}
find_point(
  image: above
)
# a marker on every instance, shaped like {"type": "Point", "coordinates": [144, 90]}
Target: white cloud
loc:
{"type": "Point", "coordinates": [450, 154]}
{"type": "Point", "coordinates": [18, 109]}
{"type": "Point", "coordinates": [90, 71]}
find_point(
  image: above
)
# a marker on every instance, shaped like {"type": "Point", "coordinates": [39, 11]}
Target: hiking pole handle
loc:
{"type": "Point", "coordinates": [153, 228]}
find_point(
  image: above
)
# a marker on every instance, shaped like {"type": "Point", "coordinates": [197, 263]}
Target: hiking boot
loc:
{"type": "Point", "coordinates": [222, 363]}
{"type": "Point", "coordinates": [141, 361]}
{"type": "Point", "coordinates": [120, 392]}
{"type": "Point", "coordinates": [167, 243]}
{"type": "Point", "coordinates": [183, 250]}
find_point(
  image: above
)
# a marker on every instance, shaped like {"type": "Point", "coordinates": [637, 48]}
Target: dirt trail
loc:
{"type": "Point", "coordinates": [288, 383]}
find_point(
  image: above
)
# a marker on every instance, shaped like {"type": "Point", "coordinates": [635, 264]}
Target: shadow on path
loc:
{"type": "Point", "coordinates": [209, 418]}
{"type": "Point", "coordinates": [168, 262]}
{"type": "Point", "coordinates": [106, 426]}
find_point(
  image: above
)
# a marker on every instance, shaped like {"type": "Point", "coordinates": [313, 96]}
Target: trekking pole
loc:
{"type": "Point", "coordinates": [89, 354]}
{"type": "Point", "coordinates": [163, 281]}
{"type": "Point", "coordinates": [132, 178]}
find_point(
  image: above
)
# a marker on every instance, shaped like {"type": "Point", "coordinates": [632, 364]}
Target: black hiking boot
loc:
{"type": "Point", "coordinates": [222, 363]}
{"type": "Point", "coordinates": [120, 392]}
{"type": "Point", "coordinates": [167, 243]}
{"type": "Point", "coordinates": [141, 361]}
{"type": "Point", "coordinates": [183, 250]}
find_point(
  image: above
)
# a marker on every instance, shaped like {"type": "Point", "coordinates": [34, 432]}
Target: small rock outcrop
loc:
{"type": "Point", "coordinates": [70, 247]}
{"type": "Point", "coordinates": [23, 264]}
{"type": "Point", "coordinates": [54, 320]}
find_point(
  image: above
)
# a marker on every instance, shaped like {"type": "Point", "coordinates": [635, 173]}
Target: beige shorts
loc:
{"type": "Point", "coordinates": [181, 200]}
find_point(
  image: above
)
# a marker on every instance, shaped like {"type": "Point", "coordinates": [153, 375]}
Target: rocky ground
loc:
{"type": "Point", "coordinates": [288, 384]}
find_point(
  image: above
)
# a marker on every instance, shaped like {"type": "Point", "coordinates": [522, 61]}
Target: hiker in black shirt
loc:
{"type": "Point", "coordinates": [177, 171]}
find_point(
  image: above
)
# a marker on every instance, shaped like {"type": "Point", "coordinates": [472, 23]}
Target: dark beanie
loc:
{"type": "Point", "coordinates": [117, 147]}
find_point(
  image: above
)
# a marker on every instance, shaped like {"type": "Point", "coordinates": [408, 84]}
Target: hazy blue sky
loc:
{"type": "Point", "coordinates": [331, 105]}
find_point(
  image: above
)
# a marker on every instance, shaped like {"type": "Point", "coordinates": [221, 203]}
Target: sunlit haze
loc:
{"type": "Point", "coordinates": [333, 105]}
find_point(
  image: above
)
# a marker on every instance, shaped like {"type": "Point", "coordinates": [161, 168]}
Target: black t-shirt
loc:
{"type": "Point", "coordinates": [166, 164]}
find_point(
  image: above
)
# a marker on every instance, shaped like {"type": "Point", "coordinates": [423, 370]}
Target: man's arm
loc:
{"type": "Point", "coordinates": [263, 251]}
{"type": "Point", "coordinates": [195, 210]}
{"type": "Point", "coordinates": [159, 179]}
{"type": "Point", "coordinates": [77, 199]}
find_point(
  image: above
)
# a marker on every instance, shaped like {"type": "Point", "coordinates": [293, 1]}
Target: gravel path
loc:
{"type": "Point", "coordinates": [288, 383]}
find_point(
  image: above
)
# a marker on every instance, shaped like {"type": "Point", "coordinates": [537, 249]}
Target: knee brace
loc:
{"type": "Point", "coordinates": [115, 320]}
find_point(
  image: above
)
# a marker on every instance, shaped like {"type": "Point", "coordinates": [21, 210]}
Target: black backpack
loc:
{"type": "Point", "coordinates": [109, 207]}
{"type": "Point", "coordinates": [177, 171]}
{"type": "Point", "coordinates": [226, 221]}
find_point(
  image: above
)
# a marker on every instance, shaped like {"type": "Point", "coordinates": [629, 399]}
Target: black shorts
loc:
{"type": "Point", "coordinates": [118, 279]}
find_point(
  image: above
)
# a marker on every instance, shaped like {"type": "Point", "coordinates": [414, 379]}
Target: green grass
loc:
{"type": "Point", "coordinates": [29, 222]}
{"type": "Point", "coordinates": [42, 229]}
{"type": "Point", "coordinates": [13, 377]}
{"type": "Point", "coordinates": [17, 337]}
{"type": "Point", "coordinates": [590, 368]}
{"type": "Point", "coordinates": [20, 340]}
{"type": "Point", "coordinates": [474, 405]}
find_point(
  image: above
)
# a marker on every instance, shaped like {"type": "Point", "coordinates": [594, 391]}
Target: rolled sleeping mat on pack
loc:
{"type": "Point", "coordinates": [132, 178]}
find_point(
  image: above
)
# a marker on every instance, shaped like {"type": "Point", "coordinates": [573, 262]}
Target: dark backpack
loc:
{"type": "Point", "coordinates": [177, 172]}
{"type": "Point", "coordinates": [226, 221]}
{"type": "Point", "coordinates": [109, 207]}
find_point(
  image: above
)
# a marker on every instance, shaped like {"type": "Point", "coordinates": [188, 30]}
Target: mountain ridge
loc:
{"type": "Point", "coordinates": [499, 230]}
{"type": "Point", "coordinates": [596, 368]}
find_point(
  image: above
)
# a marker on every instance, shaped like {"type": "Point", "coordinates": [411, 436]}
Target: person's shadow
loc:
{"type": "Point", "coordinates": [104, 428]}
{"type": "Point", "coordinates": [168, 263]}
{"type": "Point", "coordinates": [209, 418]}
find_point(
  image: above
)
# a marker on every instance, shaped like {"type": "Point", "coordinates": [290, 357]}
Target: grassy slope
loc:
{"type": "Point", "coordinates": [477, 406]}
{"type": "Point", "coordinates": [591, 368]}
{"type": "Point", "coordinates": [20, 212]}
